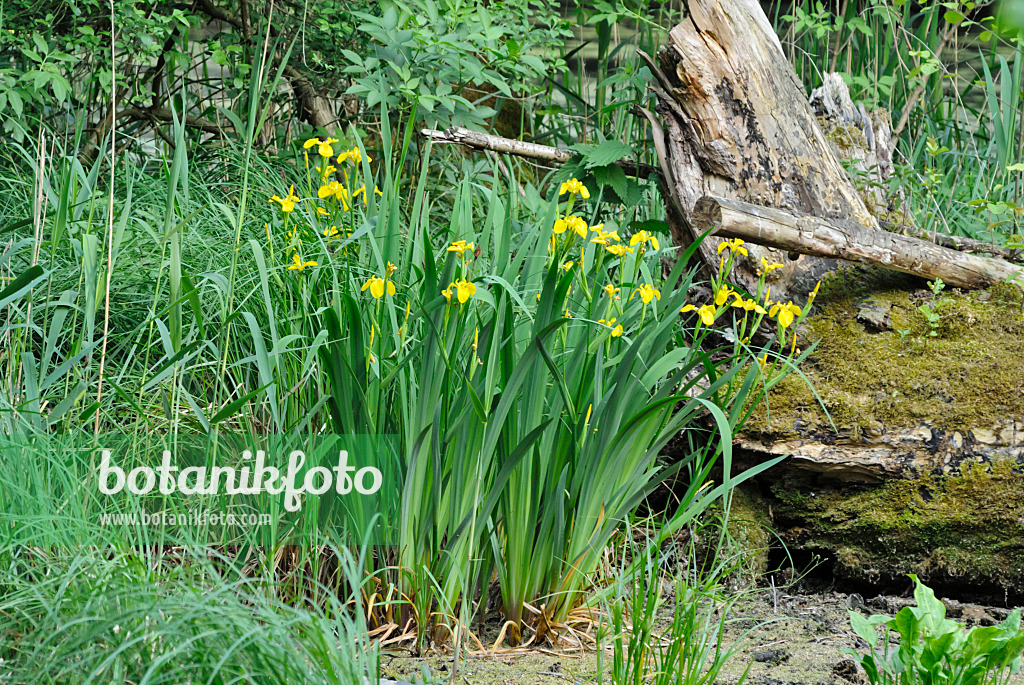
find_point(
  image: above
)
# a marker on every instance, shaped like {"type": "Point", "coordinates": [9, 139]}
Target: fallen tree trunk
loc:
{"type": "Point", "coordinates": [835, 239]}
{"type": "Point", "coordinates": [877, 454]}
{"type": "Point", "coordinates": [476, 140]}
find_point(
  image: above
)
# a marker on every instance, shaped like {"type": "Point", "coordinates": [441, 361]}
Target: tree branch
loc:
{"type": "Point", "coordinates": [520, 148]}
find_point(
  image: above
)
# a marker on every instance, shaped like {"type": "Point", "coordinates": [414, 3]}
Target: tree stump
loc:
{"type": "Point", "coordinates": [737, 124]}
{"type": "Point", "coordinates": [906, 454]}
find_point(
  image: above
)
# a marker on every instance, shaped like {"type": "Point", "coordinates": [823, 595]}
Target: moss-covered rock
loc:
{"type": "Point", "coordinates": [965, 371]}
{"type": "Point", "coordinates": [906, 444]}
{"type": "Point", "coordinates": [964, 528]}
{"type": "Point", "coordinates": [750, 529]}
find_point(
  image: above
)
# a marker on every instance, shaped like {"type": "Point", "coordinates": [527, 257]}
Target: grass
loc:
{"type": "Point", "coordinates": [97, 614]}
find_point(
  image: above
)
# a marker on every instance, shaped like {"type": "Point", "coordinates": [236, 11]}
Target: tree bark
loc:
{"type": "Point", "coordinates": [836, 239]}
{"type": "Point", "coordinates": [737, 124]}
{"type": "Point", "coordinates": [872, 456]}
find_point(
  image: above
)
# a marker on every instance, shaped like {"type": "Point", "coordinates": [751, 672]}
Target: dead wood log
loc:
{"type": "Point", "coordinates": [521, 148]}
{"type": "Point", "coordinates": [737, 124]}
{"type": "Point", "coordinates": [872, 456]}
{"type": "Point", "coordinates": [837, 239]}
{"type": "Point", "coordinates": [485, 142]}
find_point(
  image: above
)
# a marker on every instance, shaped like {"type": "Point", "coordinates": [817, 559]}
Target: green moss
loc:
{"type": "Point", "coordinates": [750, 531]}
{"type": "Point", "coordinates": [966, 527]}
{"type": "Point", "coordinates": [845, 138]}
{"type": "Point", "coordinates": [970, 374]}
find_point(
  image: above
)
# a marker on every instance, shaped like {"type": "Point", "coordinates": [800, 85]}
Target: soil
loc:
{"type": "Point", "coordinates": [791, 639]}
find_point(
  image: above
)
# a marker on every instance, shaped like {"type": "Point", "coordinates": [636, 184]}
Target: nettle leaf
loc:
{"type": "Point", "coordinates": [604, 153]}
{"type": "Point", "coordinates": [627, 191]}
{"type": "Point", "coordinates": [613, 176]}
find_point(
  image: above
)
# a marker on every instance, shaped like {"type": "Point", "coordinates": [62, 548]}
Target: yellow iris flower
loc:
{"type": "Point", "coordinates": [603, 237]}
{"type": "Point", "coordinates": [616, 330]}
{"type": "Point", "coordinates": [643, 237]}
{"type": "Point", "coordinates": [335, 190]}
{"type": "Point", "coordinates": [612, 291]}
{"type": "Point", "coordinates": [765, 266]}
{"type": "Point", "coordinates": [748, 305]}
{"type": "Point", "coordinates": [723, 295]}
{"type": "Point", "coordinates": [354, 155]}
{"type": "Point", "coordinates": [462, 289]}
{"type": "Point", "coordinates": [376, 284]}
{"type": "Point", "coordinates": [574, 222]}
{"type": "Point", "coordinates": [460, 246]}
{"type": "Point", "coordinates": [619, 250]}
{"type": "Point", "coordinates": [288, 201]}
{"type": "Point", "coordinates": [575, 187]}
{"type": "Point", "coordinates": [785, 313]}
{"type": "Point", "coordinates": [323, 146]}
{"type": "Point", "coordinates": [735, 244]}
{"type": "Point", "coordinates": [646, 292]}
{"type": "Point", "coordinates": [705, 312]}
{"type": "Point", "coordinates": [299, 265]}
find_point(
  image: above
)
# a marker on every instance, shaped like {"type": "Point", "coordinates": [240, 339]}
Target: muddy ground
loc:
{"type": "Point", "coordinates": [796, 639]}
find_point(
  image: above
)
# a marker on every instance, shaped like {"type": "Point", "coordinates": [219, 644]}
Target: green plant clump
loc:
{"type": "Point", "coordinates": [935, 649]}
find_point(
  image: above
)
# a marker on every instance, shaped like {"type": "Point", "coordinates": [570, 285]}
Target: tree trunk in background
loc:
{"type": "Point", "coordinates": [737, 124]}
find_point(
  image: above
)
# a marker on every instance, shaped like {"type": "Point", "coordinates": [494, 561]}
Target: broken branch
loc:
{"type": "Point", "coordinates": [520, 148]}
